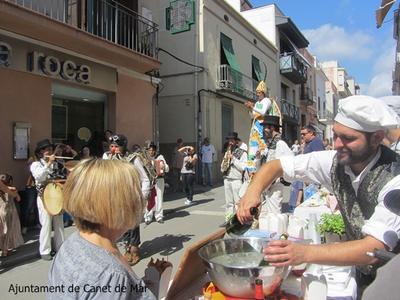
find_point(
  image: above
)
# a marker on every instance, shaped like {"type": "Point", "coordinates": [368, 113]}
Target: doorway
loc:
{"type": "Point", "coordinates": [78, 118]}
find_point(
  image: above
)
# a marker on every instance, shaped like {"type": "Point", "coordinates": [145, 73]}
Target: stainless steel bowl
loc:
{"type": "Point", "coordinates": [236, 278]}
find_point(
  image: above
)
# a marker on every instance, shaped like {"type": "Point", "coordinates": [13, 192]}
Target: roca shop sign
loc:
{"type": "Point", "coordinates": [54, 67]}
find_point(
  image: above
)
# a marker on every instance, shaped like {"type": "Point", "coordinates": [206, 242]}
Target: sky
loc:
{"type": "Point", "coordinates": [345, 30]}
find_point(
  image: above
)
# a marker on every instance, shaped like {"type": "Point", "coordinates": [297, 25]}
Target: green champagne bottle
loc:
{"type": "Point", "coordinates": [234, 226]}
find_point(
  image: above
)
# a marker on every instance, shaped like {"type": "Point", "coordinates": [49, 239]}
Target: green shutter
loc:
{"type": "Point", "coordinates": [229, 53]}
{"type": "Point", "coordinates": [256, 67]}
{"type": "Point", "coordinates": [168, 18]}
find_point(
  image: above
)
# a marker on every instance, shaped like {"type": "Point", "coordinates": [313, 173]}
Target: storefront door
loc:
{"type": "Point", "coordinates": [78, 122]}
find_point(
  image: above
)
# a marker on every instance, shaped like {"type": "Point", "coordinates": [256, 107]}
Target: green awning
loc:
{"type": "Point", "coordinates": [256, 67]}
{"type": "Point", "coordinates": [229, 53]}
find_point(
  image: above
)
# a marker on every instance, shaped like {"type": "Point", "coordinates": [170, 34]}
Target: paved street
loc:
{"type": "Point", "coordinates": [183, 226]}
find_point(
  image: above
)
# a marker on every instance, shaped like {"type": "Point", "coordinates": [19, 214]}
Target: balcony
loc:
{"type": "Point", "coordinates": [293, 67]}
{"type": "Point", "coordinates": [105, 19]}
{"type": "Point", "coordinates": [325, 117]}
{"type": "Point", "coordinates": [232, 81]}
{"type": "Point", "coordinates": [290, 111]}
{"type": "Point", "coordinates": [306, 95]}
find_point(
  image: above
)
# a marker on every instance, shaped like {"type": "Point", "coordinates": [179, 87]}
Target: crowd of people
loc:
{"type": "Point", "coordinates": [360, 173]}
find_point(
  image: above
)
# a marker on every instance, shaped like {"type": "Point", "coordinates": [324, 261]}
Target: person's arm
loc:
{"type": "Point", "coordinates": [283, 253]}
{"type": "Point", "coordinates": [181, 150]}
{"type": "Point", "coordinates": [268, 173]}
{"type": "Point", "coordinates": [144, 179]}
{"type": "Point", "coordinates": [166, 166]}
{"type": "Point", "coordinates": [194, 159]}
{"type": "Point", "coordinates": [299, 197]}
{"type": "Point", "coordinates": [12, 191]}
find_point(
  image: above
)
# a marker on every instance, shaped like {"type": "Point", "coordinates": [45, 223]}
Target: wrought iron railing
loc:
{"type": "Point", "coordinates": [228, 79]}
{"type": "Point", "coordinates": [104, 18]}
{"type": "Point", "coordinates": [290, 110]}
{"type": "Point", "coordinates": [325, 117]}
{"type": "Point", "coordinates": [290, 62]}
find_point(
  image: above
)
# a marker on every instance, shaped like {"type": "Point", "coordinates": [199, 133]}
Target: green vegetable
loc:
{"type": "Point", "coordinates": [331, 223]}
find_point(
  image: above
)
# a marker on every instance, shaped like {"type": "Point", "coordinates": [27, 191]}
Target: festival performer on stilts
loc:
{"type": "Point", "coordinates": [258, 110]}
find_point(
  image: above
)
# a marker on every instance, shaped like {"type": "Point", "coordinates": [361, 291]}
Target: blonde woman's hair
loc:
{"type": "Point", "coordinates": [104, 193]}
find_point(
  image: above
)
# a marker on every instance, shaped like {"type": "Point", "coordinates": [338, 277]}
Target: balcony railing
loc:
{"type": "Point", "coordinates": [104, 18]}
{"type": "Point", "coordinates": [326, 117]}
{"type": "Point", "coordinates": [232, 81]}
{"type": "Point", "coordinates": [293, 67]}
{"type": "Point", "coordinates": [290, 110]}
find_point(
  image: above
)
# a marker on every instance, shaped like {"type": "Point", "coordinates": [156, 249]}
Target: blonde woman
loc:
{"type": "Point", "coordinates": [105, 199]}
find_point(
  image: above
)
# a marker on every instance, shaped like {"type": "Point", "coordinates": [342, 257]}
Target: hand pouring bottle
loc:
{"type": "Point", "coordinates": [234, 226]}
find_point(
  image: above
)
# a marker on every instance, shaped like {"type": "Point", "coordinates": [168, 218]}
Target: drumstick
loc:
{"type": "Point", "coordinates": [60, 157]}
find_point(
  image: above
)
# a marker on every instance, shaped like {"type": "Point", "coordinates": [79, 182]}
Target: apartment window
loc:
{"type": "Point", "coordinates": [284, 90]}
{"type": "Point", "coordinates": [256, 73]}
{"type": "Point", "coordinates": [294, 96]}
{"type": "Point", "coordinates": [228, 56]}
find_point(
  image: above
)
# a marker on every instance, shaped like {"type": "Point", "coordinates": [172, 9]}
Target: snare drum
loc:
{"type": "Point", "coordinates": [53, 198]}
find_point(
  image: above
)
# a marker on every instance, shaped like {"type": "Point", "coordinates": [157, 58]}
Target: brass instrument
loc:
{"type": "Point", "coordinates": [226, 161]}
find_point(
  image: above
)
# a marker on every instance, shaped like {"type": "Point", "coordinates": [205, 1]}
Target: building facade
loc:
{"type": "Point", "coordinates": [209, 70]}
{"type": "Point", "coordinates": [73, 69]}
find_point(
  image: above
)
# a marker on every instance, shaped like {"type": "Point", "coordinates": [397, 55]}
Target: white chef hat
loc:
{"type": "Point", "coordinates": [367, 114]}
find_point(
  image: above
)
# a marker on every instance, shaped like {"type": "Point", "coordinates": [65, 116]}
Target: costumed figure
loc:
{"type": "Point", "coordinates": [10, 227]}
{"type": "Point", "coordinates": [44, 171]}
{"type": "Point", "coordinates": [232, 168]}
{"type": "Point", "coordinates": [263, 106]}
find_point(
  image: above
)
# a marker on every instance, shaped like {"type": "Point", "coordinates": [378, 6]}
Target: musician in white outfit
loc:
{"type": "Point", "coordinates": [232, 168]}
{"type": "Point", "coordinates": [161, 167]}
{"type": "Point", "coordinates": [43, 170]}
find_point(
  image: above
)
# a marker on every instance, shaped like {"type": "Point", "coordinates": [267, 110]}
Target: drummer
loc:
{"type": "Point", "coordinates": [43, 170]}
{"type": "Point", "coordinates": [361, 172]}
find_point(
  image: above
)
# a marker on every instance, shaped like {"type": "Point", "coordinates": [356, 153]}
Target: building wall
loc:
{"type": "Point", "coordinates": [30, 104]}
{"type": "Point", "coordinates": [134, 112]}
{"type": "Point", "coordinates": [263, 19]}
{"type": "Point", "coordinates": [117, 73]}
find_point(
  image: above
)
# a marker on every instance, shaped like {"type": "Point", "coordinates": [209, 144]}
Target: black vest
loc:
{"type": "Point", "coordinates": [356, 209]}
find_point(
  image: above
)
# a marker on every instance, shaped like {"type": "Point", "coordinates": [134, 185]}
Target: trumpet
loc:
{"type": "Point", "coordinates": [226, 161]}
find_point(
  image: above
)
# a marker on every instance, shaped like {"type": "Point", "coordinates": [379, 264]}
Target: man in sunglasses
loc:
{"type": "Point", "coordinates": [312, 140]}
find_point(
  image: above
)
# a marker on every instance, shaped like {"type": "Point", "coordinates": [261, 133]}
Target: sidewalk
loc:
{"type": "Point", "coordinates": [173, 207]}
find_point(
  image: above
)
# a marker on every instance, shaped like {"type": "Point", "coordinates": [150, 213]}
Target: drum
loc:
{"type": "Point", "coordinates": [53, 198]}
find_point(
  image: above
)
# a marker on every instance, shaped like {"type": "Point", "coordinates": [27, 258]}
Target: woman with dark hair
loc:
{"type": "Point", "coordinates": [188, 171]}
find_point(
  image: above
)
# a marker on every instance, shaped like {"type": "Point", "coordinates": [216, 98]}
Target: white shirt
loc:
{"type": "Point", "coordinates": [237, 167]}
{"type": "Point", "coordinates": [296, 149]}
{"type": "Point", "coordinates": [145, 184]}
{"type": "Point", "coordinates": [41, 171]}
{"type": "Point", "coordinates": [261, 107]}
{"type": "Point", "coordinates": [316, 166]}
{"type": "Point", "coordinates": [207, 153]}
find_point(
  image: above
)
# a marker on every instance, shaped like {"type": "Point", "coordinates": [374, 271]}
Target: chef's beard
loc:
{"type": "Point", "coordinates": [353, 157]}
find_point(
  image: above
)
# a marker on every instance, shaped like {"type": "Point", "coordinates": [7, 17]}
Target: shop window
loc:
{"type": "Point", "coordinates": [59, 122]}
